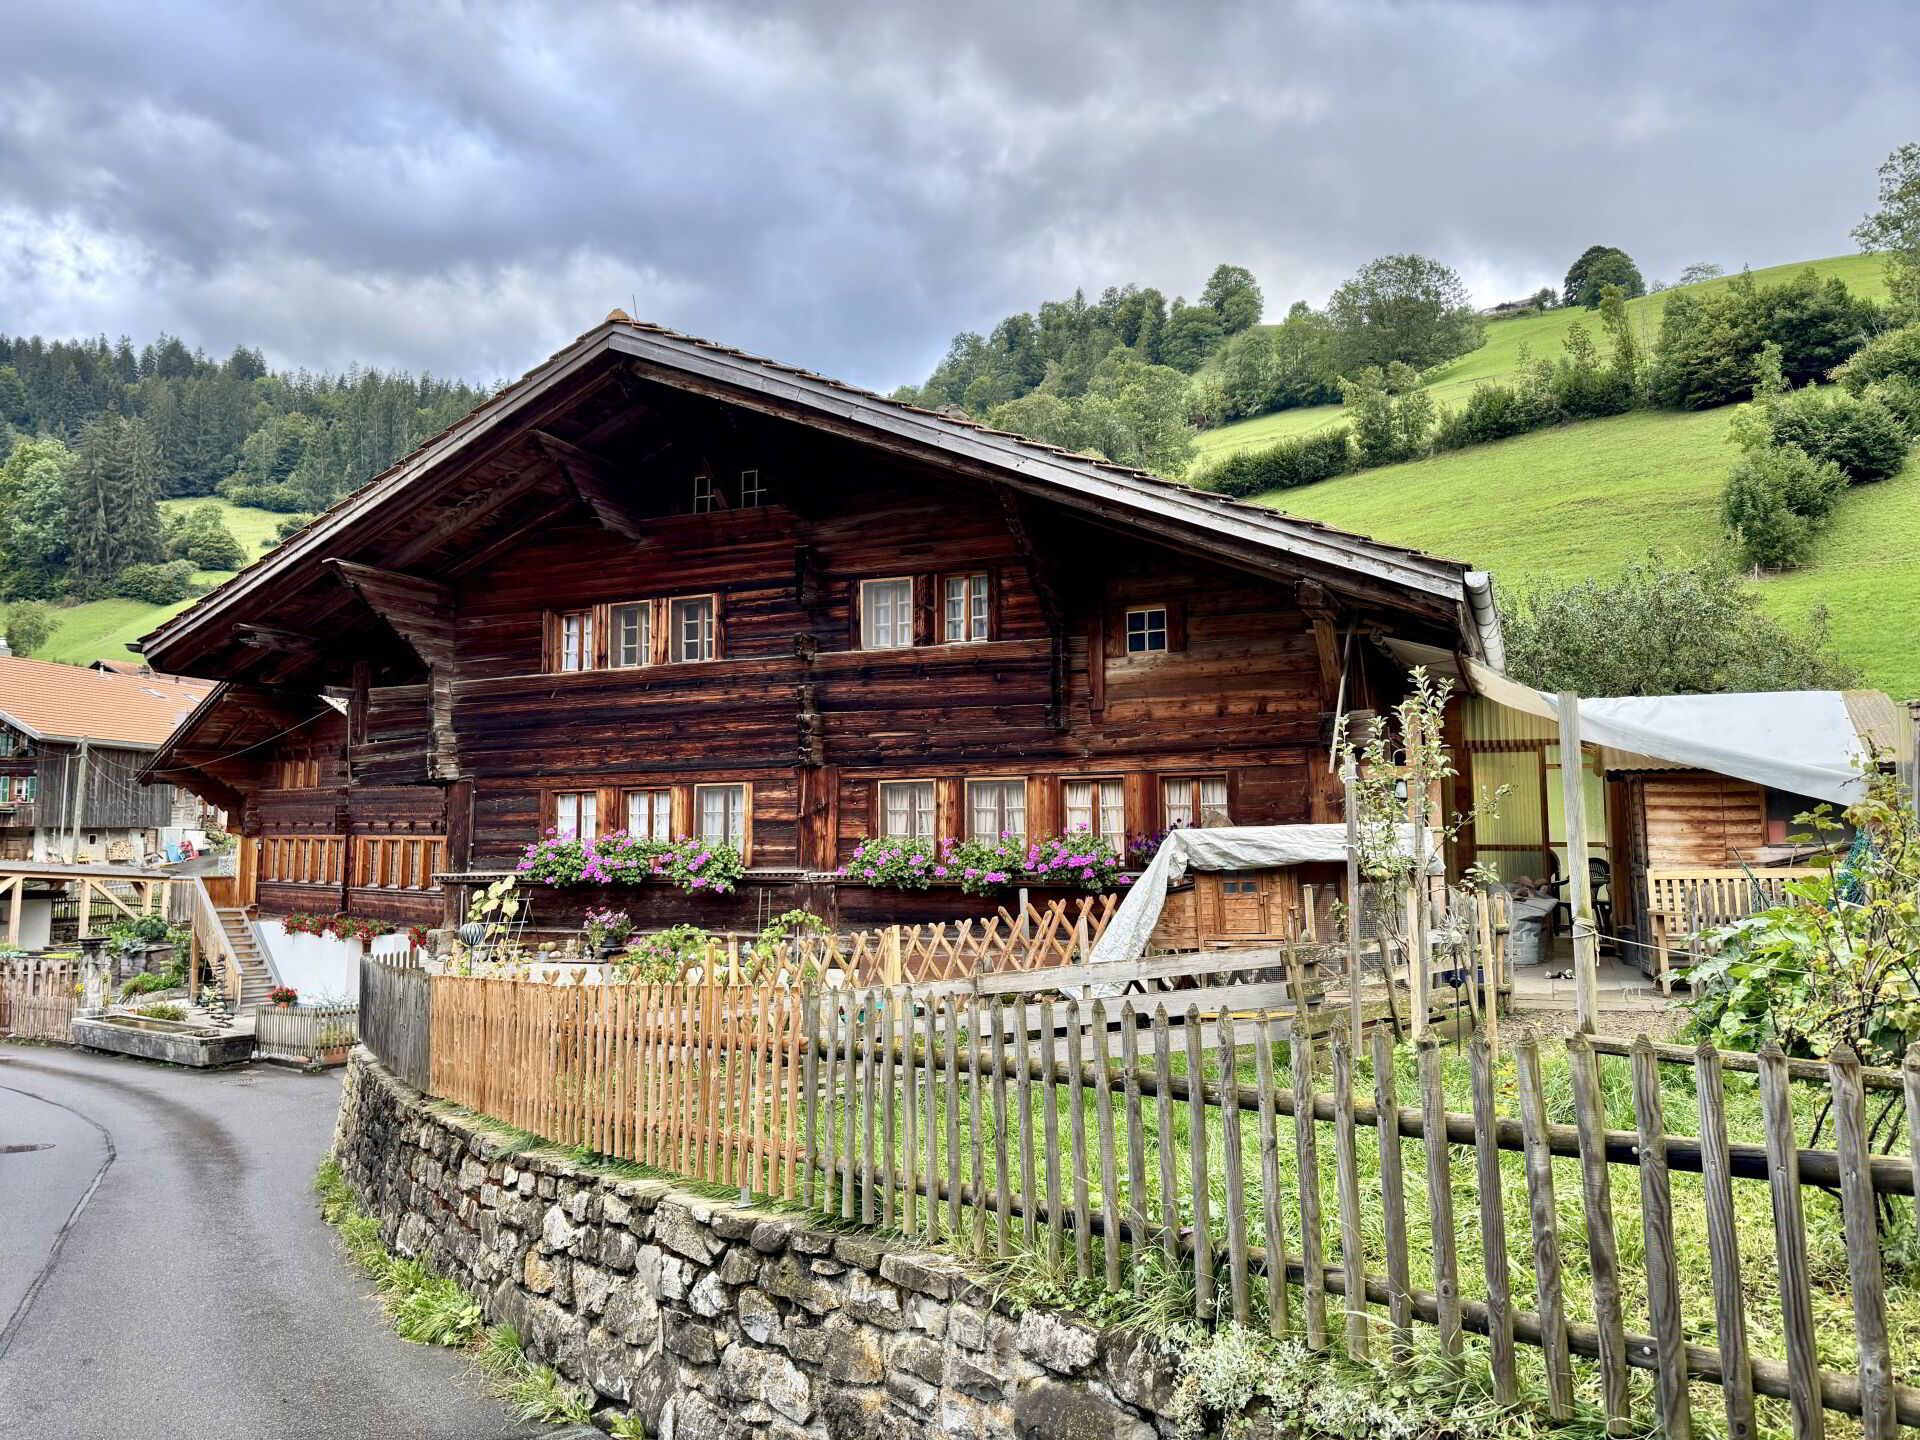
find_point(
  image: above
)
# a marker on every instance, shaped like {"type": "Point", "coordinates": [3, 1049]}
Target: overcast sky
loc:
{"type": "Point", "coordinates": [844, 185]}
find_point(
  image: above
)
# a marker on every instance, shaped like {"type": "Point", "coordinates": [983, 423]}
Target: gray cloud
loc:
{"type": "Point", "coordinates": [466, 187]}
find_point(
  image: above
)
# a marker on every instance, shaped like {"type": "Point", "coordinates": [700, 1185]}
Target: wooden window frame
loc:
{"type": "Point", "coordinates": [1119, 842]}
{"type": "Point", "coordinates": [988, 620]}
{"type": "Point", "coordinates": [660, 633]}
{"type": "Point", "coordinates": [627, 794]}
{"type": "Point", "coordinates": [1026, 804]}
{"type": "Point", "coordinates": [708, 497]}
{"type": "Point", "coordinates": [557, 640]}
{"type": "Point", "coordinates": [551, 806]}
{"type": "Point", "coordinates": [860, 611]}
{"type": "Point", "coordinates": [746, 811]}
{"type": "Point", "coordinates": [933, 809]}
{"type": "Point", "coordinates": [673, 657]}
{"type": "Point", "coordinates": [1165, 629]}
{"type": "Point", "coordinates": [752, 495]}
{"type": "Point", "coordinates": [1194, 779]}
{"type": "Point", "coordinates": [648, 649]}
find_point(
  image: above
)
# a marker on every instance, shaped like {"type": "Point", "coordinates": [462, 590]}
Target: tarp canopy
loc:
{"type": "Point", "coordinates": [1804, 742]}
{"type": "Point", "coordinates": [1229, 847]}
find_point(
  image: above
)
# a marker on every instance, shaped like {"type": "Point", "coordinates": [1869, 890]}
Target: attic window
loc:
{"type": "Point", "coordinates": [1147, 630]}
{"type": "Point", "coordinates": [753, 490]}
{"type": "Point", "coordinates": [706, 496]}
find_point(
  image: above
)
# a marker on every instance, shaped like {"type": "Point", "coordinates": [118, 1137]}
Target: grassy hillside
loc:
{"type": "Point", "coordinates": [100, 629]}
{"type": "Point", "coordinates": [1506, 339]}
{"type": "Point", "coordinates": [1582, 500]}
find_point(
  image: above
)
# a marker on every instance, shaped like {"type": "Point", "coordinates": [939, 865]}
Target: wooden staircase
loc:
{"type": "Point", "coordinates": [255, 979]}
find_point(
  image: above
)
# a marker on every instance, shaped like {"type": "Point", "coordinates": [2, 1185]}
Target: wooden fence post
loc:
{"type": "Point", "coordinates": [1573, 792]}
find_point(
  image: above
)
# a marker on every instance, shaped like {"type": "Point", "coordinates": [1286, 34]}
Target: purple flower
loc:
{"type": "Point", "coordinates": [940, 871]}
{"type": "Point", "coordinates": [699, 881]}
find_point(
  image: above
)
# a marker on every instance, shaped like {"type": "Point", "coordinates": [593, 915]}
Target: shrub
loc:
{"type": "Point", "coordinates": [1900, 394]}
{"type": "Point", "coordinates": [157, 584]}
{"type": "Point", "coordinates": [1858, 433]}
{"type": "Point", "coordinates": [1889, 354]}
{"type": "Point", "coordinates": [1775, 502]}
{"type": "Point", "coordinates": [1298, 460]}
{"type": "Point", "coordinates": [201, 535]}
{"type": "Point", "coordinates": [666, 954]}
{"type": "Point", "coordinates": [148, 981]}
{"type": "Point", "coordinates": [163, 1010]}
{"type": "Point", "coordinates": [1661, 629]}
{"type": "Point", "coordinates": [1492, 412]}
{"type": "Point", "coordinates": [1709, 341]}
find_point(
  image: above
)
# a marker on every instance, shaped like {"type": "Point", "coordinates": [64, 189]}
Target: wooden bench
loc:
{"type": "Point", "coordinates": [1685, 903]}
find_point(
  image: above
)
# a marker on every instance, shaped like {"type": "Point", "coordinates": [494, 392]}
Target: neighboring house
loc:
{"type": "Point", "coordinates": [664, 586]}
{"type": "Point", "coordinates": [73, 742]}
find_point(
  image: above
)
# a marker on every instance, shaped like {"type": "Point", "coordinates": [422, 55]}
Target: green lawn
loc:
{"type": "Point", "coordinates": [1538, 334]}
{"type": "Point", "coordinates": [1583, 499]}
{"type": "Point", "coordinates": [100, 629]}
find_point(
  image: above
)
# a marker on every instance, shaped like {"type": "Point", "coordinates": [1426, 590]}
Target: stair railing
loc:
{"type": "Point", "coordinates": [210, 935]}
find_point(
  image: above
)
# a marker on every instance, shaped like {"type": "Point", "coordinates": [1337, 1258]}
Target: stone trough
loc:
{"type": "Point", "coordinates": [173, 1041]}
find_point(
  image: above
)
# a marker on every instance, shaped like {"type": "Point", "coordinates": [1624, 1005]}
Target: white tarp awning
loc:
{"type": "Point", "coordinates": [1801, 741]}
{"type": "Point", "coordinates": [1229, 847]}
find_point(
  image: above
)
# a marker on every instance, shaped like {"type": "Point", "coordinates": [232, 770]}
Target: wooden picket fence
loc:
{"type": "Point", "coordinates": [1010, 1119]}
{"type": "Point", "coordinates": [310, 1035]}
{"type": "Point", "coordinates": [38, 997]}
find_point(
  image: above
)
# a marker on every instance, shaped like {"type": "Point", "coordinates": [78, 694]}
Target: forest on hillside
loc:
{"type": "Point", "coordinates": [93, 434]}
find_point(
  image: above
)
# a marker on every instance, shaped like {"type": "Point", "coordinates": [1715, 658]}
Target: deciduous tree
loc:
{"type": "Point", "coordinates": [1404, 308]}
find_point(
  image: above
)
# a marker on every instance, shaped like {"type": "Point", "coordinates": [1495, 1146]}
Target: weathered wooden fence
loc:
{"type": "Point", "coordinates": [396, 1009]}
{"type": "Point", "coordinates": [38, 997]}
{"type": "Point", "coordinates": [306, 1034]}
{"type": "Point", "coordinates": [1130, 1144]}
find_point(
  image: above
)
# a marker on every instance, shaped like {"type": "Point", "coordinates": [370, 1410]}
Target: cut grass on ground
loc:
{"type": "Point", "coordinates": [100, 629]}
{"type": "Point", "coordinates": [1582, 500]}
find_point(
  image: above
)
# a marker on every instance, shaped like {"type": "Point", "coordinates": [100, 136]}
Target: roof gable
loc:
{"type": "Point", "coordinates": [1250, 535]}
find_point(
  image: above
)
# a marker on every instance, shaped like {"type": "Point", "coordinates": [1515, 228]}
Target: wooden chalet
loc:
{"type": "Point", "coordinates": [665, 586]}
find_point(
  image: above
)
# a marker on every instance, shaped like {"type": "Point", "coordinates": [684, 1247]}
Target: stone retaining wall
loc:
{"type": "Point", "coordinates": [713, 1322]}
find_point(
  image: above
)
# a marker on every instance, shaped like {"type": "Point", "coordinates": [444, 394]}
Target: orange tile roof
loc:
{"type": "Point", "coordinates": [70, 702]}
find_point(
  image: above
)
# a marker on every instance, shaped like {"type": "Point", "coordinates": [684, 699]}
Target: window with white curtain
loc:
{"type": "Point", "coordinates": [577, 813]}
{"type": "Point", "coordinates": [1098, 806]}
{"type": "Point", "coordinates": [886, 614]}
{"type": "Point", "coordinates": [630, 634]}
{"type": "Point", "coordinates": [996, 808]}
{"type": "Point", "coordinates": [650, 814]}
{"type": "Point", "coordinates": [1194, 800]}
{"type": "Point", "coordinates": [720, 814]}
{"type": "Point", "coordinates": [691, 636]}
{"type": "Point", "coordinates": [576, 640]}
{"type": "Point", "coordinates": [906, 809]}
{"type": "Point", "coordinates": [965, 608]}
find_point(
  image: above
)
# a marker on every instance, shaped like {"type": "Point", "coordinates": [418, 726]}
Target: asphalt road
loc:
{"type": "Point", "coordinates": [164, 1273]}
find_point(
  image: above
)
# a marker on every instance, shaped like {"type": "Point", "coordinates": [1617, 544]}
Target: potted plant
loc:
{"type": "Point", "coordinates": [283, 996]}
{"type": "Point", "coordinates": [607, 931]}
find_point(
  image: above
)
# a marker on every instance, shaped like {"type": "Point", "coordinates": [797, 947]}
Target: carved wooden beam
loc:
{"type": "Point", "coordinates": [422, 613]}
{"type": "Point", "coordinates": [595, 481]}
{"type": "Point", "coordinates": [1324, 617]}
